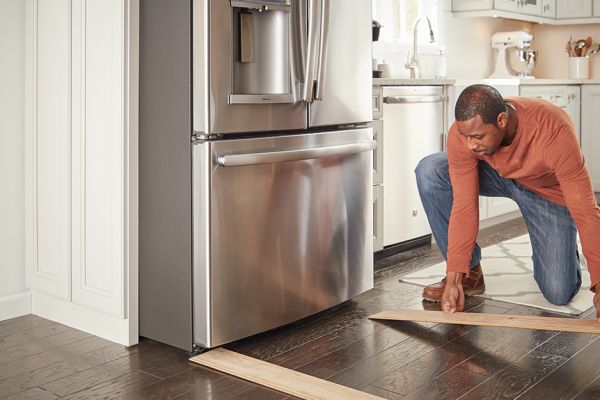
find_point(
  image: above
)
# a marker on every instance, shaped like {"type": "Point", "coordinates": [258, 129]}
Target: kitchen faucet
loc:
{"type": "Point", "coordinates": [413, 64]}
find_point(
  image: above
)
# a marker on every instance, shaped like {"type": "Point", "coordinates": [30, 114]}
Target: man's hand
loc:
{"type": "Point", "coordinates": [597, 301]}
{"type": "Point", "coordinates": [453, 298]}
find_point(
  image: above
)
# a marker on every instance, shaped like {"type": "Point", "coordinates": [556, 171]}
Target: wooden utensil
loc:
{"type": "Point", "coordinates": [588, 43]}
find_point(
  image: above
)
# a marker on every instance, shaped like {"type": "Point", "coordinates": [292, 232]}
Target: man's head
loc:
{"type": "Point", "coordinates": [481, 116]}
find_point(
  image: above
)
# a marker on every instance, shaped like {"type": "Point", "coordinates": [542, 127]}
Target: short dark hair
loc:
{"type": "Point", "coordinates": [481, 100]}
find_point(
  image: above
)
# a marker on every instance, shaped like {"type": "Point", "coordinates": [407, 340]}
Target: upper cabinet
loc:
{"type": "Point", "coordinates": [531, 7]}
{"type": "Point", "coordinates": [558, 12]}
{"type": "Point", "coordinates": [573, 9]}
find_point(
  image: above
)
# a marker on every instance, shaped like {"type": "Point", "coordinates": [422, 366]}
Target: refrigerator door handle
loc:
{"type": "Point", "coordinates": [323, 45]}
{"type": "Point", "coordinates": [313, 14]}
{"type": "Point", "coordinates": [234, 160]}
{"type": "Point", "coordinates": [298, 50]}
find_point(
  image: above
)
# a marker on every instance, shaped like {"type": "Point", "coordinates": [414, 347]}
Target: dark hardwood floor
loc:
{"type": "Point", "coordinates": [43, 360]}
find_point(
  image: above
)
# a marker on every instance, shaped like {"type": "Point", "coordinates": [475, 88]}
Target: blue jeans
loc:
{"type": "Point", "coordinates": [552, 230]}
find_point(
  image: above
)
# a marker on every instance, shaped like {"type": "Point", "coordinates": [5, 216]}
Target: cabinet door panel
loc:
{"type": "Point", "coordinates": [530, 7]}
{"type": "Point", "coordinates": [573, 9]}
{"type": "Point", "coordinates": [98, 220]}
{"type": "Point", "coordinates": [48, 147]}
{"type": "Point", "coordinates": [596, 8]}
{"type": "Point", "coordinates": [471, 5]}
{"type": "Point", "coordinates": [590, 128]}
{"type": "Point", "coordinates": [549, 8]}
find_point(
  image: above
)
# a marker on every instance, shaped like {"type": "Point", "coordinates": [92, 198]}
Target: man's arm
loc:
{"type": "Point", "coordinates": [464, 220]}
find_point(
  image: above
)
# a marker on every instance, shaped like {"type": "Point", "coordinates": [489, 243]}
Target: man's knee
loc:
{"type": "Point", "coordinates": [558, 293]}
{"type": "Point", "coordinates": [432, 169]}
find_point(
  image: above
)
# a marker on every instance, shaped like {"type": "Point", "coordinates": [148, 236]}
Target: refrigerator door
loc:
{"type": "Point", "coordinates": [282, 230]}
{"type": "Point", "coordinates": [340, 62]}
{"type": "Point", "coordinates": [248, 65]}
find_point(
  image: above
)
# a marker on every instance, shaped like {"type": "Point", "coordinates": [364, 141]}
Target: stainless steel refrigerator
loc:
{"type": "Point", "coordinates": [255, 164]}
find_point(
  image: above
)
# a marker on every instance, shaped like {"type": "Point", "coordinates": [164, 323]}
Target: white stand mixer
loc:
{"type": "Point", "coordinates": [503, 42]}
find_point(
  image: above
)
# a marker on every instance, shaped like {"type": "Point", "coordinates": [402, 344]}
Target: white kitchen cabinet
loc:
{"type": "Point", "coordinates": [471, 5]}
{"type": "Point", "coordinates": [549, 8]}
{"type": "Point", "coordinates": [567, 97]}
{"type": "Point", "coordinates": [573, 9]}
{"type": "Point", "coordinates": [81, 157]}
{"type": "Point", "coordinates": [531, 7]}
{"type": "Point", "coordinates": [555, 12]}
{"type": "Point", "coordinates": [408, 138]}
{"type": "Point", "coordinates": [590, 131]}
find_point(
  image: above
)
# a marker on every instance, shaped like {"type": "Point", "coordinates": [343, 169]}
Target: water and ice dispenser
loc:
{"type": "Point", "coordinates": [261, 70]}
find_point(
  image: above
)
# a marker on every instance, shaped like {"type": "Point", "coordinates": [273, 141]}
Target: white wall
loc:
{"type": "Point", "coordinates": [550, 42]}
{"type": "Point", "coordinates": [467, 40]}
{"type": "Point", "coordinates": [14, 299]}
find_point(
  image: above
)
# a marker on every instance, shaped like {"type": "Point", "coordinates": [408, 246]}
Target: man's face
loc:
{"type": "Point", "coordinates": [482, 138]}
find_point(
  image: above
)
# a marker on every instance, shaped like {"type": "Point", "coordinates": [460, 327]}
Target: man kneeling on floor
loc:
{"type": "Point", "coordinates": [524, 149]}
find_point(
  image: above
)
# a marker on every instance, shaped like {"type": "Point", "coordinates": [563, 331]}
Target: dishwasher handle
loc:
{"type": "Point", "coordinates": [234, 160]}
{"type": "Point", "coordinates": [412, 99]}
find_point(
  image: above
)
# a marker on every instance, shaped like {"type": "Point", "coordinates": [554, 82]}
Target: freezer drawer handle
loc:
{"type": "Point", "coordinates": [234, 160]}
{"type": "Point", "coordinates": [412, 99]}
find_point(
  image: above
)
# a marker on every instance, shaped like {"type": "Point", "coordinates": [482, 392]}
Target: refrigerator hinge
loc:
{"type": "Point", "coordinates": [202, 137]}
{"type": "Point", "coordinates": [197, 349]}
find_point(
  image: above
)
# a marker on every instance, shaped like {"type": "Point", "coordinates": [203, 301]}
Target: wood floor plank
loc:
{"type": "Point", "coordinates": [517, 378]}
{"type": "Point", "coordinates": [32, 394]}
{"type": "Point", "coordinates": [116, 387]}
{"type": "Point", "coordinates": [315, 349]}
{"type": "Point", "coordinates": [506, 321]}
{"type": "Point", "coordinates": [34, 333]}
{"type": "Point", "coordinates": [56, 371]}
{"type": "Point", "coordinates": [570, 378]}
{"type": "Point", "coordinates": [41, 345]}
{"type": "Point", "coordinates": [278, 378]}
{"type": "Point", "coordinates": [197, 383]}
{"type": "Point", "coordinates": [51, 356]}
{"type": "Point", "coordinates": [22, 324]}
{"type": "Point", "coordinates": [120, 362]}
{"type": "Point", "coordinates": [359, 365]}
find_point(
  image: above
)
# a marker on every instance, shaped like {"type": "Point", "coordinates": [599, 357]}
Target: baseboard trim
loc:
{"type": "Point", "coordinates": [15, 305]}
{"type": "Point", "coordinates": [91, 321]}
{"type": "Point", "coordinates": [403, 246]}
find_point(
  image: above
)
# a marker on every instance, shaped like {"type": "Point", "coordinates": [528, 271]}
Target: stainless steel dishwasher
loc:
{"type": "Point", "coordinates": [413, 128]}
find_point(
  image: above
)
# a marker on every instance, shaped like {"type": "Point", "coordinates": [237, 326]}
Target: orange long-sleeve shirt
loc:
{"type": "Point", "coordinates": [544, 157]}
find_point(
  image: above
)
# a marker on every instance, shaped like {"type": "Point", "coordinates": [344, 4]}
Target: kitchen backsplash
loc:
{"type": "Point", "coordinates": [549, 41]}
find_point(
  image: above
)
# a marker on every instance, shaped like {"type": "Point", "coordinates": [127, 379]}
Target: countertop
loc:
{"type": "Point", "coordinates": [507, 81]}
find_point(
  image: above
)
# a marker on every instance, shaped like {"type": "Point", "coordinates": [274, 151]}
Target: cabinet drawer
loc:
{"type": "Point", "coordinates": [377, 102]}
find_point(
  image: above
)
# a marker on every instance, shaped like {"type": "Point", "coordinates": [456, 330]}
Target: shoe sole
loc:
{"type": "Point", "coordinates": [472, 292]}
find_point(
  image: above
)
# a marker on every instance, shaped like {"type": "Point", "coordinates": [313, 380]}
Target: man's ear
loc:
{"type": "Point", "coordinates": [502, 119]}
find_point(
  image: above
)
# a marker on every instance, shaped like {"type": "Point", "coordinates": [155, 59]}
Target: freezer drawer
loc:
{"type": "Point", "coordinates": [282, 230]}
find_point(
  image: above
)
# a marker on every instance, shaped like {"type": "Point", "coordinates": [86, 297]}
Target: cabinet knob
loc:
{"type": "Point", "coordinates": [414, 213]}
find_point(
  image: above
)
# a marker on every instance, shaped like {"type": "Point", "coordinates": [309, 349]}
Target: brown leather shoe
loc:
{"type": "Point", "coordinates": [472, 285]}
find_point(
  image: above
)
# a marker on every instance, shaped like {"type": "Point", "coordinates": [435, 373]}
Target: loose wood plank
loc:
{"type": "Point", "coordinates": [276, 377]}
{"type": "Point", "coordinates": [498, 320]}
